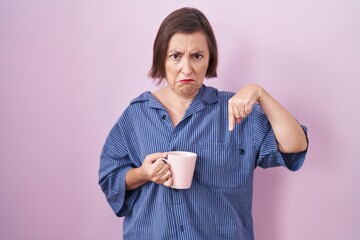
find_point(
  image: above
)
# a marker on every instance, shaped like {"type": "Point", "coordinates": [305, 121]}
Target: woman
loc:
{"type": "Point", "coordinates": [231, 133]}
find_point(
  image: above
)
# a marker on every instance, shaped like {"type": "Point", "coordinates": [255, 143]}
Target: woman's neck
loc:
{"type": "Point", "coordinates": [169, 97]}
{"type": "Point", "coordinates": [175, 104]}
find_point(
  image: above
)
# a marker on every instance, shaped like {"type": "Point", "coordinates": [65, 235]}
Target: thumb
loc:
{"type": "Point", "coordinates": [231, 117]}
{"type": "Point", "coordinates": [151, 158]}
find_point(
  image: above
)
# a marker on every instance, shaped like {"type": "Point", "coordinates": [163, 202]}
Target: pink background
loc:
{"type": "Point", "coordinates": [69, 68]}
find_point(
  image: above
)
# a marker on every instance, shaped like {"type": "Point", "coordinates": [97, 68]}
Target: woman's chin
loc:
{"type": "Point", "coordinates": [188, 90]}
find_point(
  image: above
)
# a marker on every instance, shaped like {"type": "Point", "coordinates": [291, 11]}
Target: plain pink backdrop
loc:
{"type": "Point", "coordinates": [69, 68]}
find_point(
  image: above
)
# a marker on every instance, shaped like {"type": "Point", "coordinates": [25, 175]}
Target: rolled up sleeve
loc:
{"type": "Point", "coordinates": [114, 165]}
{"type": "Point", "coordinates": [266, 145]}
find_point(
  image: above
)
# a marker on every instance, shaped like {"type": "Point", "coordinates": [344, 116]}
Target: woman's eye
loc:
{"type": "Point", "coordinates": [198, 56]}
{"type": "Point", "coordinates": [174, 56]}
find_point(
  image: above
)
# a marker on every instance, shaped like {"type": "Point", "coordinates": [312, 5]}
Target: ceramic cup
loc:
{"type": "Point", "coordinates": [182, 167]}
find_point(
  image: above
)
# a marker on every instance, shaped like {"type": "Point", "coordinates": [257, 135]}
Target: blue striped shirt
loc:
{"type": "Point", "coordinates": [219, 203]}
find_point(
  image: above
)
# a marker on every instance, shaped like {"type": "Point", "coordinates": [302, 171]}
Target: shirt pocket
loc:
{"type": "Point", "coordinates": [222, 165]}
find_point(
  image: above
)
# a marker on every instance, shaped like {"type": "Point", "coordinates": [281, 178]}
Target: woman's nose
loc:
{"type": "Point", "coordinates": [186, 66]}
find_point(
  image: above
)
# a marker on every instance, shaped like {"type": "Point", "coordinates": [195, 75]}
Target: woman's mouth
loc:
{"type": "Point", "coordinates": [186, 80]}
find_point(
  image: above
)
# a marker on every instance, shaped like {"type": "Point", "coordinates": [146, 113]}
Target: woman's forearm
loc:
{"type": "Point", "coordinates": [135, 178]}
{"type": "Point", "coordinates": [288, 132]}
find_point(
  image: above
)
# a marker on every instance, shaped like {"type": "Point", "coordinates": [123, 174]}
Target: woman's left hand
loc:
{"type": "Point", "coordinates": [241, 104]}
{"type": "Point", "coordinates": [289, 135]}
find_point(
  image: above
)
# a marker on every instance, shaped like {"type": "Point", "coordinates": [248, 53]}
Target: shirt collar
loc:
{"type": "Point", "coordinates": [147, 97]}
{"type": "Point", "coordinates": [206, 95]}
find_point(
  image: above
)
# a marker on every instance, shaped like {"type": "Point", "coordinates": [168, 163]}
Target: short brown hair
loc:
{"type": "Point", "coordinates": [183, 20]}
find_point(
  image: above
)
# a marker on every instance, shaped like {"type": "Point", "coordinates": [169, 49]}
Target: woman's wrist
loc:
{"type": "Point", "coordinates": [135, 178]}
{"type": "Point", "coordinates": [261, 94]}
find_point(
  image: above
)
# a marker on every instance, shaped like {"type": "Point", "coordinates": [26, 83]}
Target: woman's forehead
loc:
{"type": "Point", "coordinates": [188, 41]}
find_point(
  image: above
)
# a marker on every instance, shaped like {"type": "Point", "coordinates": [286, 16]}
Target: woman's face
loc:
{"type": "Point", "coordinates": [186, 63]}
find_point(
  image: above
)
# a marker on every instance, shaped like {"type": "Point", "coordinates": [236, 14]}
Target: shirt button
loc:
{"type": "Point", "coordinates": [176, 190]}
{"type": "Point", "coordinates": [181, 228]}
{"type": "Point", "coordinates": [242, 151]}
{"type": "Point", "coordinates": [163, 117]}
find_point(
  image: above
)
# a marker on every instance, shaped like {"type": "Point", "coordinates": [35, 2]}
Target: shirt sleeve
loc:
{"type": "Point", "coordinates": [266, 146]}
{"type": "Point", "coordinates": [114, 165]}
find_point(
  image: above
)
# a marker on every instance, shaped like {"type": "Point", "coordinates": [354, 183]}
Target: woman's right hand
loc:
{"type": "Point", "coordinates": [152, 169]}
{"type": "Point", "coordinates": [156, 170]}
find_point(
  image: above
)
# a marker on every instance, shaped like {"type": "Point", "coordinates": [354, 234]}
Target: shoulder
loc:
{"type": "Point", "coordinates": [139, 102]}
{"type": "Point", "coordinates": [143, 97]}
{"type": "Point", "coordinates": [135, 106]}
{"type": "Point", "coordinates": [211, 95]}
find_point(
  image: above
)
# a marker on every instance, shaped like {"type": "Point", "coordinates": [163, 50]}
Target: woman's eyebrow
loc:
{"type": "Point", "coordinates": [175, 51]}
{"type": "Point", "coordinates": [181, 52]}
{"type": "Point", "coordinates": [198, 51]}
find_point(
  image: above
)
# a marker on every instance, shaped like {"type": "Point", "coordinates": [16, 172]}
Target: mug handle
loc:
{"type": "Point", "coordinates": [163, 159]}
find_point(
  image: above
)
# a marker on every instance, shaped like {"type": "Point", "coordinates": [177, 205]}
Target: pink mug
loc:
{"type": "Point", "coordinates": [182, 167]}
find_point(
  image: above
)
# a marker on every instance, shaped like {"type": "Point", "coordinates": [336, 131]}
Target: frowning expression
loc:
{"type": "Point", "coordinates": [186, 62]}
